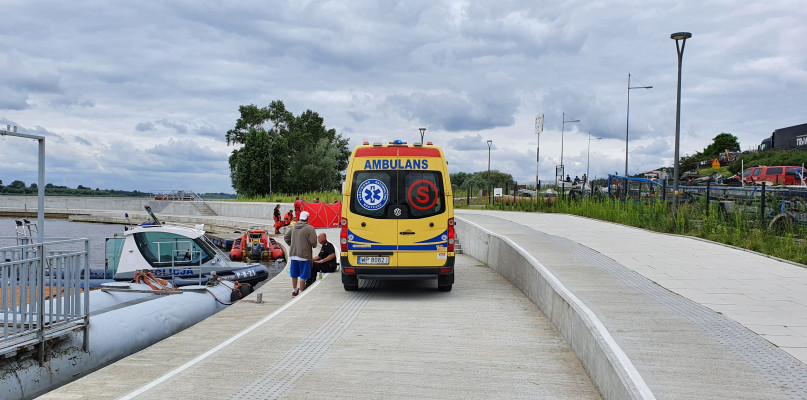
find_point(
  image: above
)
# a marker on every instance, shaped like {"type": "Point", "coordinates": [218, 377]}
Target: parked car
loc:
{"type": "Point", "coordinates": [777, 175]}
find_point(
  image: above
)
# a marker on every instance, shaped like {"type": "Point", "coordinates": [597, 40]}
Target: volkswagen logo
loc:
{"type": "Point", "coordinates": [397, 212]}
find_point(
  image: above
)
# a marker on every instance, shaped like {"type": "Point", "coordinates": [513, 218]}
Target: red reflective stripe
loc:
{"type": "Point", "coordinates": [377, 152]}
{"type": "Point", "coordinates": [418, 152]}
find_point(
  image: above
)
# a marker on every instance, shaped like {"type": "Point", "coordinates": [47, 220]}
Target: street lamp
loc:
{"type": "Point", "coordinates": [562, 128]}
{"type": "Point", "coordinates": [563, 168]}
{"type": "Point", "coordinates": [627, 121]}
{"type": "Point", "coordinates": [490, 142]}
{"type": "Point", "coordinates": [588, 153]}
{"type": "Point", "coordinates": [422, 132]}
{"type": "Point", "coordinates": [683, 36]}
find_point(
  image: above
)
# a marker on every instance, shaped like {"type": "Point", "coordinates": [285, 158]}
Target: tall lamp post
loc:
{"type": "Point", "coordinates": [563, 167]}
{"type": "Point", "coordinates": [627, 120]}
{"type": "Point", "coordinates": [422, 132]}
{"type": "Point", "coordinates": [588, 154]}
{"type": "Point", "coordinates": [490, 142]}
{"type": "Point", "coordinates": [682, 36]}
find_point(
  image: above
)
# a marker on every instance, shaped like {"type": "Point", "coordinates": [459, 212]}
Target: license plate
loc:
{"type": "Point", "coordinates": [374, 260]}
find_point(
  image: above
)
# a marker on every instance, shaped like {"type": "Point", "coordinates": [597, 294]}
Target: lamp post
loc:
{"type": "Point", "coordinates": [539, 127]}
{"type": "Point", "coordinates": [627, 121]}
{"type": "Point", "coordinates": [682, 36]}
{"type": "Point", "coordinates": [563, 168]}
{"type": "Point", "coordinates": [422, 132]}
{"type": "Point", "coordinates": [588, 154]}
{"type": "Point", "coordinates": [490, 142]}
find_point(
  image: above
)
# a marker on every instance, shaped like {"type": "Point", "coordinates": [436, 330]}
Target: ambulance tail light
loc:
{"type": "Point", "coordinates": [451, 235]}
{"type": "Point", "coordinates": [343, 235]}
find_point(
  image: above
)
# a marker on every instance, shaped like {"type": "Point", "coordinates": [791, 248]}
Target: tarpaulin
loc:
{"type": "Point", "coordinates": [323, 215]}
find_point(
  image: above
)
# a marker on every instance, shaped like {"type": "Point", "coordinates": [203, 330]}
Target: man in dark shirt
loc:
{"type": "Point", "coordinates": [325, 261]}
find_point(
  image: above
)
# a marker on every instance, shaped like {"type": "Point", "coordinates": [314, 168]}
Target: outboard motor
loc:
{"type": "Point", "coordinates": [257, 250]}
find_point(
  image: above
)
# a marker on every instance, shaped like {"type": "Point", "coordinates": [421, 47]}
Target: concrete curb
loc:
{"type": "Point", "coordinates": [607, 365]}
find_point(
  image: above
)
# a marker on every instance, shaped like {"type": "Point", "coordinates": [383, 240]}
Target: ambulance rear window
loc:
{"type": "Point", "coordinates": [424, 193]}
{"type": "Point", "coordinates": [414, 194]}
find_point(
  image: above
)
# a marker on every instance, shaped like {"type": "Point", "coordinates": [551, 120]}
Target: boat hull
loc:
{"type": "Point", "coordinates": [114, 333]}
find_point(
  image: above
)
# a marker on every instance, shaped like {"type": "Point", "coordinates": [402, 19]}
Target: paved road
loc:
{"type": "Point", "coordinates": [390, 340]}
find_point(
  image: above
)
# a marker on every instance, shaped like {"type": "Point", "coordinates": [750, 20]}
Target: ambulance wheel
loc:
{"type": "Point", "coordinates": [445, 282]}
{"type": "Point", "coordinates": [351, 282]}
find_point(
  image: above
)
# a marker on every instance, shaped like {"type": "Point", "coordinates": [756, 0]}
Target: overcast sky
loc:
{"type": "Point", "coordinates": [139, 95]}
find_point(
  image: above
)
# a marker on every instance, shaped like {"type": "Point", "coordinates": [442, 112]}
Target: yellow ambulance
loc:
{"type": "Point", "coordinates": [397, 215]}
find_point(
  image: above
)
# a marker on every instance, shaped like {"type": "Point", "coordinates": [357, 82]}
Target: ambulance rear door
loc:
{"type": "Point", "coordinates": [423, 221]}
{"type": "Point", "coordinates": [372, 234]}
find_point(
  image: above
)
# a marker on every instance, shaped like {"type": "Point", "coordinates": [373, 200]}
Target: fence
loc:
{"type": "Point", "coordinates": [767, 205]}
{"type": "Point", "coordinates": [41, 291]}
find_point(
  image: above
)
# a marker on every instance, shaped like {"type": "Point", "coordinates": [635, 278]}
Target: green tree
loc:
{"type": "Point", "coordinates": [480, 180]}
{"type": "Point", "coordinates": [721, 143]}
{"type": "Point", "coordinates": [316, 155]}
{"type": "Point", "coordinates": [17, 184]}
{"type": "Point", "coordinates": [304, 155]}
{"type": "Point", "coordinates": [458, 179]}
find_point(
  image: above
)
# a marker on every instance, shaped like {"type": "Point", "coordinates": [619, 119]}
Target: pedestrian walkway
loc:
{"type": "Point", "coordinates": [390, 340]}
{"type": "Point", "coordinates": [696, 318]}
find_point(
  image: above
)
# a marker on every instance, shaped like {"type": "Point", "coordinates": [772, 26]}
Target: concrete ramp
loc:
{"type": "Point", "coordinates": [394, 339]}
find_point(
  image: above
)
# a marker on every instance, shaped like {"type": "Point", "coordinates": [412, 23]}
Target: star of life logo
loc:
{"type": "Point", "coordinates": [372, 194]}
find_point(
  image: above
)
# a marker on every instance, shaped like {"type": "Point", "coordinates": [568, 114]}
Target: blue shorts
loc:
{"type": "Point", "coordinates": [300, 269]}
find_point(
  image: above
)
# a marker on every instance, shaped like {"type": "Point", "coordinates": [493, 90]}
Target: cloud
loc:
{"type": "Point", "coordinates": [211, 132]}
{"type": "Point", "coordinates": [144, 126]}
{"type": "Point", "coordinates": [12, 100]}
{"type": "Point", "coordinates": [469, 143]}
{"type": "Point", "coordinates": [177, 127]}
{"type": "Point", "coordinates": [358, 116]}
{"type": "Point", "coordinates": [468, 71]}
{"type": "Point", "coordinates": [82, 141]}
{"type": "Point", "coordinates": [457, 111]}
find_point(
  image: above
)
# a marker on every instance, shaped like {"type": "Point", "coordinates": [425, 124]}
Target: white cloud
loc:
{"type": "Point", "coordinates": [151, 88]}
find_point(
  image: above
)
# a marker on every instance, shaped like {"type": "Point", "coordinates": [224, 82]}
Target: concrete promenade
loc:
{"type": "Point", "coordinates": [694, 320]}
{"type": "Point", "coordinates": [390, 340]}
{"type": "Point", "coordinates": [697, 319]}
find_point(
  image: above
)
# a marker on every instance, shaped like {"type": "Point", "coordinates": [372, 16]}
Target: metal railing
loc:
{"type": "Point", "coordinates": [760, 201]}
{"type": "Point", "coordinates": [176, 195]}
{"type": "Point", "coordinates": [42, 293]}
{"type": "Point", "coordinates": [187, 196]}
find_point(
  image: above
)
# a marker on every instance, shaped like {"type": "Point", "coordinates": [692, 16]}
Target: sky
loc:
{"type": "Point", "coordinates": [139, 95]}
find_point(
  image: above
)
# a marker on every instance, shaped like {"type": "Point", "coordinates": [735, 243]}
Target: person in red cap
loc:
{"type": "Point", "coordinates": [302, 239]}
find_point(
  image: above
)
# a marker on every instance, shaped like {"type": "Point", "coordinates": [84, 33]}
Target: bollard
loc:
{"type": "Point", "coordinates": [259, 298]}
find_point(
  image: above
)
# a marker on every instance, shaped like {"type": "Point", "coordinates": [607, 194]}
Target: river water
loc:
{"type": "Point", "coordinates": [62, 228]}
